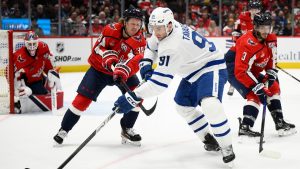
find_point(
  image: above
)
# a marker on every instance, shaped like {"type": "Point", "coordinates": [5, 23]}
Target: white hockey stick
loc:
{"type": "Point", "coordinates": [54, 100]}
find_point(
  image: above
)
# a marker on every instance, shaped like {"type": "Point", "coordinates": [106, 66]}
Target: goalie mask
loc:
{"type": "Point", "coordinates": [31, 42]}
{"type": "Point", "coordinates": [160, 17]}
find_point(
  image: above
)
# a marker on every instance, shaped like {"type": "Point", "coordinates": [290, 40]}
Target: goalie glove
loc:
{"type": "Point", "coordinates": [271, 76]}
{"type": "Point", "coordinates": [146, 68]}
{"type": "Point", "coordinates": [127, 102]}
{"type": "Point", "coordinates": [109, 58]}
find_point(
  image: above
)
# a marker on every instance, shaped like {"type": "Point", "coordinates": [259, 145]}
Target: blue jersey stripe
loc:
{"type": "Point", "coordinates": [200, 128]}
{"type": "Point", "coordinates": [222, 134]}
{"type": "Point", "coordinates": [158, 83]}
{"type": "Point", "coordinates": [163, 75]}
{"type": "Point", "coordinates": [211, 63]}
{"type": "Point", "coordinates": [197, 119]}
{"type": "Point", "coordinates": [219, 124]}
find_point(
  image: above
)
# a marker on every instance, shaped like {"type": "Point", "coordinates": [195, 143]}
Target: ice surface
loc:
{"type": "Point", "coordinates": [168, 143]}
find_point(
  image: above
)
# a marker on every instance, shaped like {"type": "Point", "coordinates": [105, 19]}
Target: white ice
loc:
{"type": "Point", "coordinates": [168, 143]}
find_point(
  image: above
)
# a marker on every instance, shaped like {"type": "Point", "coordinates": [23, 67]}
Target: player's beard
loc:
{"type": "Point", "coordinates": [32, 52]}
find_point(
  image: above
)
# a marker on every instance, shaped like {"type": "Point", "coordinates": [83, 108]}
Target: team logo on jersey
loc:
{"type": "Point", "coordinates": [60, 47]}
{"type": "Point", "coordinates": [123, 47]}
{"type": "Point", "coordinates": [20, 59]}
{"type": "Point", "coordinates": [250, 42]}
{"type": "Point", "coordinates": [137, 38]}
{"type": "Point", "coordinates": [112, 26]}
{"type": "Point", "coordinates": [263, 63]}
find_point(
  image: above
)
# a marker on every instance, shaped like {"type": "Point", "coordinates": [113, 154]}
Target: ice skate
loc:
{"type": "Point", "coordinates": [228, 155]}
{"type": "Point", "coordinates": [230, 90]}
{"type": "Point", "coordinates": [210, 143]}
{"type": "Point", "coordinates": [246, 134]}
{"type": "Point", "coordinates": [59, 137]}
{"type": "Point", "coordinates": [130, 137]}
{"type": "Point", "coordinates": [284, 129]}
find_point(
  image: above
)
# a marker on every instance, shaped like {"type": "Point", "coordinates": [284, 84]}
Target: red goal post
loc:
{"type": "Point", "coordinates": [10, 41]}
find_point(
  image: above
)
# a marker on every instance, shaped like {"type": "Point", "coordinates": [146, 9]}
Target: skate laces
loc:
{"type": "Point", "coordinates": [62, 134]}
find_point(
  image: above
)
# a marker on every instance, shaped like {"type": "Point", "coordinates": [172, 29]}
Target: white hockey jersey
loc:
{"type": "Point", "coordinates": [185, 53]}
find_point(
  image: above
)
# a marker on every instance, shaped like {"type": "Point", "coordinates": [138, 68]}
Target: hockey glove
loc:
{"type": "Point", "coordinates": [109, 58]}
{"type": "Point", "coordinates": [272, 76]}
{"type": "Point", "coordinates": [146, 68]}
{"type": "Point", "coordinates": [121, 72]}
{"type": "Point", "coordinates": [261, 91]}
{"type": "Point", "coordinates": [127, 102]}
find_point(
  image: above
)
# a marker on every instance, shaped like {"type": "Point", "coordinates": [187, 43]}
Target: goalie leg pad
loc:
{"type": "Point", "coordinates": [195, 119]}
{"type": "Point", "coordinates": [213, 109]}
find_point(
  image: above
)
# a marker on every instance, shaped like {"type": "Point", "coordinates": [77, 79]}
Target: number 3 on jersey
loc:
{"type": "Point", "coordinates": [200, 41]}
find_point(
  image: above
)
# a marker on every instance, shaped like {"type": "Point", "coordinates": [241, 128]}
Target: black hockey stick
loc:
{"type": "Point", "coordinates": [87, 140]}
{"type": "Point", "coordinates": [115, 110]}
{"type": "Point", "coordinates": [288, 73]}
{"type": "Point", "coordinates": [262, 151]}
{"type": "Point", "coordinates": [261, 140]}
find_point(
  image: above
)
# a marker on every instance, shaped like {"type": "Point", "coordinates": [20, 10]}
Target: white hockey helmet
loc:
{"type": "Point", "coordinates": [160, 16]}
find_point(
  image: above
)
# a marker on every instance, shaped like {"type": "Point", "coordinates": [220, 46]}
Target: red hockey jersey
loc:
{"type": "Point", "coordinates": [33, 66]}
{"type": "Point", "coordinates": [130, 50]}
{"type": "Point", "coordinates": [246, 23]}
{"type": "Point", "coordinates": [252, 57]}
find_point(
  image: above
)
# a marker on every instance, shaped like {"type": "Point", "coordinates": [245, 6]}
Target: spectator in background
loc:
{"type": "Point", "coordinates": [78, 28]}
{"type": "Point", "coordinates": [213, 29]}
{"type": "Point", "coordinates": [282, 21]}
{"type": "Point", "coordinates": [35, 27]}
{"type": "Point", "coordinates": [227, 30]}
{"type": "Point", "coordinates": [39, 12]}
{"type": "Point", "coordinates": [297, 29]}
{"type": "Point", "coordinates": [215, 15]}
{"type": "Point", "coordinates": [201, 29]}
{"type": "Point", "coordinates": [97, 27]}
{"type": "Point", "coordinates": [287, 31]}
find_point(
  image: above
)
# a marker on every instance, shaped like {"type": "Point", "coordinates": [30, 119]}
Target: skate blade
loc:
{"type": "Point", "coordinates": [133, 143]}
{"type": "Point", "coordinates": [270, 154]}
{"type": "Point", "coordinates": [249, 140]}
{"type": "Point", "coordinates": [230, 164]}
{"type": "Point", "coordinates": [282, 133]}
{"type": "Point", "coordinates": [57, 145]}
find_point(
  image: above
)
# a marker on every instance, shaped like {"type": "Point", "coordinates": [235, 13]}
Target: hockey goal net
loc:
{"type": "Point", "coordinates": [10, 41]}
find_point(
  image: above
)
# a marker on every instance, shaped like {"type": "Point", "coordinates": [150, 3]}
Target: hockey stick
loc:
{"type": "Point", "coordinates": [262, 151]}
{"type": "Point", "coordinates": [115, 110]}
{"type": "Point", "coordinates": [53, 100]}
{"type": "Point", "coordinates": [88, 139]}
{"type": "Point", "coordinates": [288, 73]}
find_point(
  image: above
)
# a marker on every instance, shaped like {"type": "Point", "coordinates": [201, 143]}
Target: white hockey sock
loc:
{"type": "Point", "coordinates": [214, 112]}
{"type": "Point", "coordinates": [195, 119]}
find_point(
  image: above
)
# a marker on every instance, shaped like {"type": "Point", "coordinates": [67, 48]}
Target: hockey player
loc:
{"type": "Point", "coordinates": [242, 26]}
{"type": "Point", "coordinates": [120, 45]}
{"type": "Point", "coordinates": [34, 75]}
{"type": "Point", "coordinates": [255, 53]}
{"type": "Point", "coordinates": [181, 50]}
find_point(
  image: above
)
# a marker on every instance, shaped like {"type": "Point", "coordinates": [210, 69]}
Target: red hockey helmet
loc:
{"type": "Point", "coordinates": [31, 42]}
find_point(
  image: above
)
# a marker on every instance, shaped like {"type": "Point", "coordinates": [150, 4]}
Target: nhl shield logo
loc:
{"type": "Point", "coordinates": [60, 47]}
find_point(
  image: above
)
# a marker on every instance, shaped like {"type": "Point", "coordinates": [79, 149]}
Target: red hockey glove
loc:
{"type": "Point", "coordinates": [121, 72]}
{"type": "Point", "coordinates": [109, 58]}
{"type": "Point", "coordinates": [262, 92]}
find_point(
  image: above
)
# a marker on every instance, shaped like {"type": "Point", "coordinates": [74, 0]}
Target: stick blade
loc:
{"type": "Point", "coordinates": [270, 154]}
